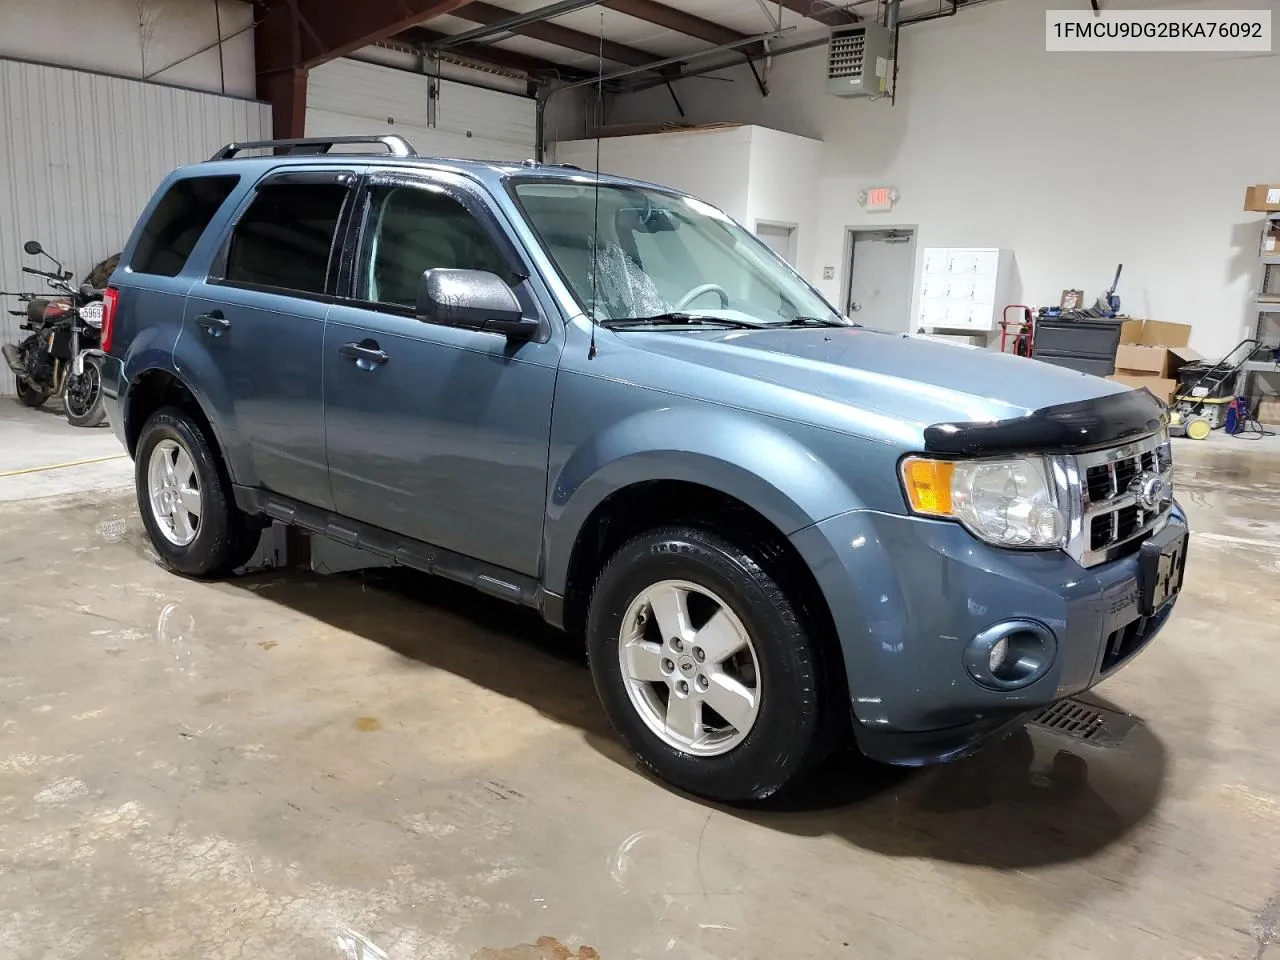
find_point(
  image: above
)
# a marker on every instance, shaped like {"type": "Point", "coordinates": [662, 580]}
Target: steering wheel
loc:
{"type": "Point", "coordinates": [699, 290]}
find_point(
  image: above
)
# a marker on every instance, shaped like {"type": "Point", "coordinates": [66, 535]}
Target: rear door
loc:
{"type": "Point", "coordinates": [259, 322]}
{"type": "Point", "coordinates": [445, 436]}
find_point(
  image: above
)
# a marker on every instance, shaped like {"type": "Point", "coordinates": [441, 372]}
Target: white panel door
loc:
{"type": "Point", "coordinates": [348, 97]}
{"type": "Point", "coordinates": [880, 281]}
{"type": "Point", "coordinates": [82, 154]}
{"type": "Point", "coordinates": [487, 124]}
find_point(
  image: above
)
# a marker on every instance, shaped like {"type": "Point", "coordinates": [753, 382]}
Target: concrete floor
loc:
{"type": "Point", "coordinates": [381, 766]}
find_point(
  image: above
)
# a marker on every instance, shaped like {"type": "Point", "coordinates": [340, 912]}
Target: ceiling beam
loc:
{"type": "Point", "coordinates": [549, 12]}
{"type": "Point", "coordinates": [300, 34]}
{"type": "Point", "coordinates": [822, 11]}
{"type": "Point", "coordinates": [422, 38]}
{"type": "Point", "coordinates": [553, 33]}
{"type": "Point", "coordinates": [662, 15]}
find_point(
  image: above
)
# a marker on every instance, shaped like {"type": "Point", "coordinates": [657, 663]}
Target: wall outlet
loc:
{"type": "Point", "coordinates": [828, 273]}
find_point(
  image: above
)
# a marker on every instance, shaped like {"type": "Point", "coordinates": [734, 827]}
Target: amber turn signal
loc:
{"type": "Point", "coordinates": [928, 485]}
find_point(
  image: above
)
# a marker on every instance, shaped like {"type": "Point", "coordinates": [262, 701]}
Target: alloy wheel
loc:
{"type": "Point", "coordinates": [174, 491]}
{"type": "Point", "coordinates": [690, 668]}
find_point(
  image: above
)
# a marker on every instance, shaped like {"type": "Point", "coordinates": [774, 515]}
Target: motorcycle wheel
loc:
{"type": "Point", "coordinates": [30, 396]}
{"type": "Point", "coordinates": [83, 397]}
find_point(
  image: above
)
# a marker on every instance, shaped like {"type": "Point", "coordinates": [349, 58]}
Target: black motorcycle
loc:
{"type": "Point", "coordinates": [60, 356]}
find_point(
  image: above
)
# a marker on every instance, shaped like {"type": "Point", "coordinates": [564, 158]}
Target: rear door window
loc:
{"type": "Point", "coordinates": [179, 220]}
{"type": "Point", "coordinates": [285, 239]}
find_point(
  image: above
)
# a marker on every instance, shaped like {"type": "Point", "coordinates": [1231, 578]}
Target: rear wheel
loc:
{"type": "Point", "coordinates": [30, 396]}
{"type": "Point", "coordinates": [185, 499]}
{"type": "Point", "coordinates": [703, 665]}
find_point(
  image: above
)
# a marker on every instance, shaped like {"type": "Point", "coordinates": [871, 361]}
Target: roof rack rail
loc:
{"type": "Point", "coordinates": [397, 146]}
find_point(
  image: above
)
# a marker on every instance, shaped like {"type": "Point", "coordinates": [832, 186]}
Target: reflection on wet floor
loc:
{"type": "Point", "coordinates": [380, 765]}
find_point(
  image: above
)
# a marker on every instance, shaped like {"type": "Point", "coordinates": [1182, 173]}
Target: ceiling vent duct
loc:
{"type": "Point", "coordinates": [860, 61]}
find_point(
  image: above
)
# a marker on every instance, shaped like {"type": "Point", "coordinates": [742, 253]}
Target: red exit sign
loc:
{"type": "Point", "coordinates": [879, 198]}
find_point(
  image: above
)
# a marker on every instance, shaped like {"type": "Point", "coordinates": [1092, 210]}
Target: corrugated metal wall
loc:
{"type": "Point", "coordinates": [80, 156]}
{"type": "Point", "coordinates": [348, 97]}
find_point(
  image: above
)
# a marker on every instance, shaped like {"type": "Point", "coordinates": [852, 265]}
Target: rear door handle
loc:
{"type": "Point", "coordinates": [366, 353]}
{"type": "Point", "coordinates": [214, 322]}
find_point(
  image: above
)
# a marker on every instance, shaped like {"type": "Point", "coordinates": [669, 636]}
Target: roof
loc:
{"type": "Point", "coordinates": [402, 155]}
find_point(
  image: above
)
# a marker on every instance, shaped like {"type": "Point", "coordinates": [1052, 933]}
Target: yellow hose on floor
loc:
{"type": "Point", "coordinates": [59, 466]}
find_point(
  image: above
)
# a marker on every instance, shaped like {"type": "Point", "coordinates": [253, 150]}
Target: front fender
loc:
{"type": "Point", "coordinates": [745, 456]}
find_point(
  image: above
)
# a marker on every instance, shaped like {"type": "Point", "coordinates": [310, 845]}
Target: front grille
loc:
{"type": "Point", "coordinates": [1115, 519]}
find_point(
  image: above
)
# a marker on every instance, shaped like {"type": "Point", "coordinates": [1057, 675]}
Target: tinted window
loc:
{"type": "Point", "coordinates": [412, 229]}
{"type": "Point", "coordinates": [285, 239]}
{"type": "Point", "coordinates": [180, 218]}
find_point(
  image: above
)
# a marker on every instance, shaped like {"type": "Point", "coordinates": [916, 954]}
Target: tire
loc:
{"type": "Point", "coordinates": [30, 396]}
{"type": "Point", "coordinates": [215, 537]}
{"type": "Point", "coordinates": [82, 399]}
{"type": "Point", "coordinates": [742, 759]}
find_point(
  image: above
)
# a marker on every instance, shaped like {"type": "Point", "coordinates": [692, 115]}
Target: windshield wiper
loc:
{"type": "Point", "coordinates": [678, 318]}
{"type": "Point", "coordinates": [816, 322]}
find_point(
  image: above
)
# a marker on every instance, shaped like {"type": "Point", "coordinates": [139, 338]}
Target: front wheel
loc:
{"type": "Point", "coordinates": [703, 665]}
{"type": "Point", "coordinates": [82, 400]}
{"type": "Point", "coordinates": [186, 501]}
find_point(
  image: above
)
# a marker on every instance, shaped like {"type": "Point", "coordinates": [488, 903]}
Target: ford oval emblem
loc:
{"type": "Point", "coordinates": [1151, 490]}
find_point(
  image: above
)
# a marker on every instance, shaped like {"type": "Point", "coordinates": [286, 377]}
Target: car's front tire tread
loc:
{"type": "Point", "coordinates": [787, 736]}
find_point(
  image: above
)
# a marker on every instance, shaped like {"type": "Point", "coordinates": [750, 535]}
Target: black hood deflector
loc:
{"type": "Point", "coordinates": [1065, 428]}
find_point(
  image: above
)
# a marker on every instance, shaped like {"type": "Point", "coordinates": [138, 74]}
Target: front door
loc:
{"type": "Point", "coordinates": [259, 322]}
{"type": "Point", "coordinates": [434, 432]}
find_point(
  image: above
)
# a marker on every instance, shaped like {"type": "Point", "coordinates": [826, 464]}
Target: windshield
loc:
{"type": "Point", "coordinates": [655, 253]}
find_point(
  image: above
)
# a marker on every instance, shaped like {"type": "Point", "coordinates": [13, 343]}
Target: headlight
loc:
{"type": "Point", "coordinates": [91, 313]}
{"type": "Point", "coordinates": [1010, 502]}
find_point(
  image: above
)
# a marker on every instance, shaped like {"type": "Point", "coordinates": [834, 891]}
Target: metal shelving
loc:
{"type": "Point", "coordinates": [1267, 305]}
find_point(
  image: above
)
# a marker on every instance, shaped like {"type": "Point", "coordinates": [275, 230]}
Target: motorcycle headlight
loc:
{"type": "Point", "coordinates": [1009, 502]}
{"type": "Point", "coordinates": [91, 313]}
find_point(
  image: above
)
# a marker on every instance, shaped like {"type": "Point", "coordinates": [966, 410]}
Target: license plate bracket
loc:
{"type": "Point", "coordinates": [1161, 564]}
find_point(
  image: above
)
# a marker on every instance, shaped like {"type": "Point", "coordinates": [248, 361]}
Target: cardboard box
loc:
{"type": "Point", "coordinates": [1153, 349]}
{"type": "Point", "coordinates": [1269, 411]}
{"type": "Point", "coordinates": [1162, 388]}
{"type": "Point", "coordinates": [1155, 333]}
{"type": "Point", "coordinates": [1153, 361]}
{"type": "Point", "coordinates": [1262, 198]}
{"type": "Point", "coordinates": [1271, 241]}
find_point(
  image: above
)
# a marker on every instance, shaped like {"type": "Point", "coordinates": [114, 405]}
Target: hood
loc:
{"type": "Point", "coordinates": [908, 378]}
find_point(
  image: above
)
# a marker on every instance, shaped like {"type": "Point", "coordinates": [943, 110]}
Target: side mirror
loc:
{"type": "Point", "coordinates": [473, 300]}
{"type": "Point", "coordinates": [33, 248]}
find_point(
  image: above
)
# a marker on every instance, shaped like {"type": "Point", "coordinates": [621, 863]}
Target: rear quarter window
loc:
{"type": "Point", "coordinates": [179, 220]}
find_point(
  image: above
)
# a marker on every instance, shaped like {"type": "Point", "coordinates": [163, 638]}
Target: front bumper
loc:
{"type": "Point", "coordinates": [908, 594]}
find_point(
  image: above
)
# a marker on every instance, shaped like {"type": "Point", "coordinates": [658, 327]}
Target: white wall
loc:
{"type": "Point", "coordinates": [1075, 161]}
{"type": "Point", "coordinates": [780, 188]}
{"type": "Point", "coordinates": [749, 172]}
{"type": "Point", "coordinates": [136, 39]}
{"type": "Point", "coordinates": [713, 165]}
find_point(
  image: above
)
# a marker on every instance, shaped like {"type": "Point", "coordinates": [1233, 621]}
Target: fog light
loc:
{"type": "Point", "coordinates": [1011, 654]}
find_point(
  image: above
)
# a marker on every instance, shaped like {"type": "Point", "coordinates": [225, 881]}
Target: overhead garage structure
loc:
{"type": "Point", "coordinates": [600, 566]}
{"type": "Point", "coordinates": [438, 116]}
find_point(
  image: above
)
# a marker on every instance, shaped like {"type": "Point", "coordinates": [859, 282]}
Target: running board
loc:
{"type": "Point", "coordinates": [495, 581]}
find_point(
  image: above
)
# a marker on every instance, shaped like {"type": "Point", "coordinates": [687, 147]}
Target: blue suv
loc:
{"type": "Point", "coordinates": [608, 401]}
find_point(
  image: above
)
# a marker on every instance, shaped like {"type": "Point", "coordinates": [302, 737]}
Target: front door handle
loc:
{"type": "Point", "coordinates": [214, 322]}
{"type": "Point", "coordinates": [366, 353]}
